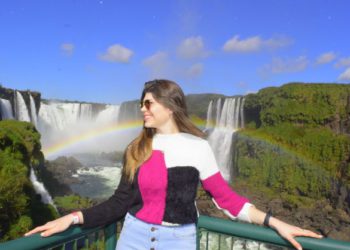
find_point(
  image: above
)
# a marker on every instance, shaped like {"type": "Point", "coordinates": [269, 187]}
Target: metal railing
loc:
{"type": "Point", "coordinates": [213, 233]}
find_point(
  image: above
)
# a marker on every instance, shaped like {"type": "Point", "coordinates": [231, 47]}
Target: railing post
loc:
{"type": "Point", "coordinates": [111, 236]}
{"type": "Point", "coordinates": [198, 238]}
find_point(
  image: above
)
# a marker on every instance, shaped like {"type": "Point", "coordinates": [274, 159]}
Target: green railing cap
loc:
{"type": "Point", "coordinates": [35, 241]}
{"type": "Point", "coordinates": [257, 233]}
{"type": "Point", "coordinates": [216, 225]}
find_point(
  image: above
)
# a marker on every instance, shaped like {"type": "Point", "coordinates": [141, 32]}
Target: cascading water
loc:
{"type": "Point", "coordinates": [85, 112]}
{"type": "Point", "coordinates": [6, 109]}
{"type": "Point", "coordinates": [40, 189]}
{"type": "Point", "coordinates": [57, 116]}
{"type": "Point", "coordinates": [33, 111]}
{"type": "Point", "coordinates": [22, 113]}
{"type": "Point", "coordinates": [129, 111]}
{"type": "Point", "coordinates": [108, 115]}
{"type": "Point", "coordinates": [62, 121]}
{"type": "Point", "coordinates": [210, 120]}
{"type": "Point", "coordinates": [224, 120]}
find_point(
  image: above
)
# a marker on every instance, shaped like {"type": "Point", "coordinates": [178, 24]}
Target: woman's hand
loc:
{"type": "Point", "coordinates": [53, 227]}
{"type": "Point", "coordinates": [288, 232]}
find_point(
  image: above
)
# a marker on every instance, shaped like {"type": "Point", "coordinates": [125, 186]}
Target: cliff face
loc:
{"type": "Point", "coordinates": [20, 207]}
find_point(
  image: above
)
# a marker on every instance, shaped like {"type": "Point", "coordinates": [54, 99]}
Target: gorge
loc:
{"type": "Point", "coordinates": [285, 147]}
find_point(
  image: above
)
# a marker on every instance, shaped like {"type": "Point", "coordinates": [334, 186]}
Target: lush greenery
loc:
{"type": "Point", "coordinates": [71, 203]}
{"type": "Point", "coordinates": [20, 207]}
{"type": "Point", "coordinates": [299, 103]}
{"type": "Point", "coordinates": [296, 141]}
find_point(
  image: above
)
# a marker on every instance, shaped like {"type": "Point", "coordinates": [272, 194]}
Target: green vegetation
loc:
{"type": "Point", "coordinates": [299, 103]}
{"type": "Point", "coordinates": [296, 141]}
{"type": "Point", "coordinates": [71, 203]}
{"type": "Point", "coordinates": [20, 207]}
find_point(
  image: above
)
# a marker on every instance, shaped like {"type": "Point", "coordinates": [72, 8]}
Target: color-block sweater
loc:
{"type": "Point", "coordinates": [164, 188]}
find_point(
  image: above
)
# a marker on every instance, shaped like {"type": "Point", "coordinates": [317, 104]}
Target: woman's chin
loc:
{"type": "Point", "coordinates": [148, 124]}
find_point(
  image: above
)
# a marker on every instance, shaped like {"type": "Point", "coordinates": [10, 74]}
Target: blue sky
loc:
{"type": "Point", "coordinates": [104, 50]}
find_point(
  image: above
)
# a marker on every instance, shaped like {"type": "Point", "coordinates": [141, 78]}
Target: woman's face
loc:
{"type": "Point", "coordinates": [155, 115]}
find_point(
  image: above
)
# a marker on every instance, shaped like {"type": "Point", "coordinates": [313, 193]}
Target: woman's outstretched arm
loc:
{"type": "Point", "coordinates": [108, 211]}
{"type": "Point", "coordinates": [58, 225]}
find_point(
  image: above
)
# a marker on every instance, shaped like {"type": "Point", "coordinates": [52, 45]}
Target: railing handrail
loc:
{"type": "Point", "coordinates": [35, 241]}
{"type": "Point", "coordinates": [267, 235]}
{"type": "Point", "coordinates": [205, 223]}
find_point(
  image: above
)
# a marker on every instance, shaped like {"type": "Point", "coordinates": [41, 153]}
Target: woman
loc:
{"type": "Point", "coordinates": [157, 190]}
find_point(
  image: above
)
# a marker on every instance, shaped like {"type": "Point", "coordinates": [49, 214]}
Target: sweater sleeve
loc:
{"type": "Point", "coordinates": [112, 209]}
{"type": "Point", "coordinates": [227, 200]}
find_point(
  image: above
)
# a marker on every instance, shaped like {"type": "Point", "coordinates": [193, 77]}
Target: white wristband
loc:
{"type": "Point", "coordinates": [76, 219]}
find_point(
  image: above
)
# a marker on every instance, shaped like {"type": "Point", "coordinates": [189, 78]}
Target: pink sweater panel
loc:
{"type": "Point", "coordinates": [224, 196]}
{"type": "Point", "coordinates": [153, 182]}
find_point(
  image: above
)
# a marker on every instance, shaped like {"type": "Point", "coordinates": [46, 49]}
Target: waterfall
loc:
{"type": "Point", "coordinates": [210, 118]}
{"type": "Point", "coordinates": [22, 113]}
{"type": "Point", "coordinates": [6, 109]}
{"type": "Point", "coordinates": [129, 111]}
{"type": "Point", "coordinates": [40, 189]}
{"type": "Point", "coordinates": [109, 114]}
{"type": "Point", "coordinates": [57, 116]}
{"type": "Point", "coordinates": [85, 112]}
{"type": "Point", "coordinates": [62, 121]}
{"type": "Point", "coordinates": [228, 120]}
{"type": "Point", "coordinates": [242, 113]}
{"type": "Point", "coordinates": [33, 111]}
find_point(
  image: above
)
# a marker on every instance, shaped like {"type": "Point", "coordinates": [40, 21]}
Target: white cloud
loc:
{"type": "Point", "coordinates": [192, 47]}
{"type": "Point", "coordinates": [158, 64]}
{"type": "Point", "coordinates": [117, 53]}
{"type": "Point", "coordinates": [279, 65]}
{"type": "Point", "coordinates": [251, 44]}
{"type": "Point", "coordinates": [254, 44]}
{"type": "Point", "coordinates": [277, 42]}
{"type": "Point", "coordinates": [67, 48]}
{"type": "Point", "coordinates": [345, 76]}
{"type": "Point", "coordinates": [326, 58]}
{"type": "Point", "coordinates": [343, 62]}
{"type": "Point", "coordinates": [195, 70]}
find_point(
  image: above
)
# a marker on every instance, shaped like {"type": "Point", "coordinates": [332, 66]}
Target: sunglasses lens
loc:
{"type": "Point", "coordinates": [146, 103]}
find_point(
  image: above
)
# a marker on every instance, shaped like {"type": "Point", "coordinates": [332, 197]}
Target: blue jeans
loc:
{"type": "Point", "coordinates": [138, 235]}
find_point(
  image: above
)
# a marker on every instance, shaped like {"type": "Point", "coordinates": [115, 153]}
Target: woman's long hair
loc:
{"type": "Point", "coordinates": [171, 96]}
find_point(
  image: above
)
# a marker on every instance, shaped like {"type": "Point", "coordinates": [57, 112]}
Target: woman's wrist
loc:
{"type": "Point", "coordinates": [266, 222]}
{"type": "Point", "coordinates": [77, 217]}
{"type": "Point", "coordinates": [274, 222]}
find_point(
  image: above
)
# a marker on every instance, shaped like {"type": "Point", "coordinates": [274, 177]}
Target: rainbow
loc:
{"type": "Point", "coordinates": [98, 132]}
{"type": "Point", "coordinates": [88, 135]}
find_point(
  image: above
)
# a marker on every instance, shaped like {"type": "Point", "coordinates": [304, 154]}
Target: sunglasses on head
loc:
{"type": "Point", "coordinates": [146, 103]}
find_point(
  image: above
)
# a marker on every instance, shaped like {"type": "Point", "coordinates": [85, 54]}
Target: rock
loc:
{"type": "Point", "coordinates": [343, 216]}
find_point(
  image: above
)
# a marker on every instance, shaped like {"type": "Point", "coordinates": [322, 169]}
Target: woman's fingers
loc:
{"type": "Point", "coordinates": [38, 229]}
{"type": "Point", "coordinates": [49, 232]}
{"type": "Point", "coordinates": [307, 233]}
{"type": "Point", "coordinates": [313, 234]}
{"type": "Point", "coordinates": [301, 232]}
{"type": "Point", "coordinates": [294, 243]}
